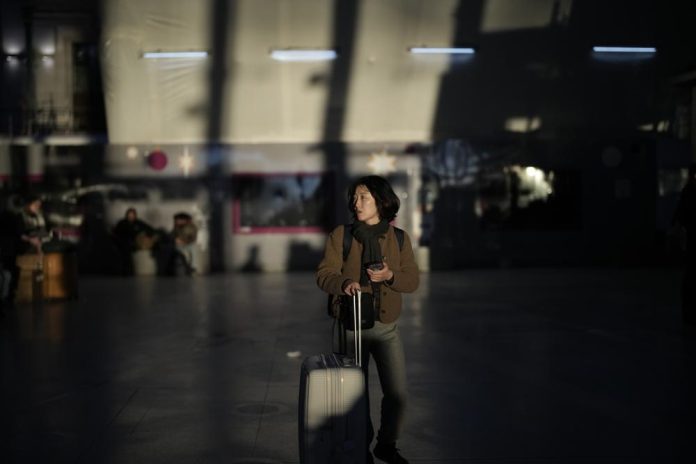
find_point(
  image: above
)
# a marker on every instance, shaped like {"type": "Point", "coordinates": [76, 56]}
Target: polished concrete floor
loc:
{"type": "Point", "coordinates": [512, 366]}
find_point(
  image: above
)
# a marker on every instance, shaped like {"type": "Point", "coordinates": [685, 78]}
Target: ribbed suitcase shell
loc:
{"type": "Point", "coordinates": [332, 411]}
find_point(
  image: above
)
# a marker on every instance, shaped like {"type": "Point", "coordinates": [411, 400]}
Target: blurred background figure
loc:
{"type": "Point", "coordinates": [34, 232]}
{"type": "Point", "coordinates": [185, 234]}
{"type": "Point", "coordinates": [130, 234]}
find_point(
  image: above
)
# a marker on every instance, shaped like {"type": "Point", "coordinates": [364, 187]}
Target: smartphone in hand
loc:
{"type": "Point", "coordinates": [375, 266]}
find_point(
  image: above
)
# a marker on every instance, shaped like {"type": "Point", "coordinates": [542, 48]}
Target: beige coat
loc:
{"type": "Point", "coordinates": [333, 272]}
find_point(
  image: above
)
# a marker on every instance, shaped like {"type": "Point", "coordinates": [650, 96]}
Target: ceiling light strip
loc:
{"type": "Point", "coordinates": [303, 55]}
{"type": "Point", "coordinates": [175, 55]}
{"type": "Point", "coordinates": [442, 50]}
{"type": "Point", "coordinates": [624, 49]}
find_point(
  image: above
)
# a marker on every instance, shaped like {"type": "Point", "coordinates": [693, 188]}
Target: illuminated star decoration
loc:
{"type": "Point", "coordinates": [186, 162]}
{"type": "Point", "coordinates": [382, 162]}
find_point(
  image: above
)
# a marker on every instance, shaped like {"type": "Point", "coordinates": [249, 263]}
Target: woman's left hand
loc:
{"type": "Point", "coordinates": [380, 275]}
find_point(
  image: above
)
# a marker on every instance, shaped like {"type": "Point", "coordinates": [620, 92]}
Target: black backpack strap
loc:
{"type": "Point", "coordinates": [347, 239]}
{"type": "Point", "coordinates": [347, 242]}
{"type": "Point", "coordinates": [399, 237]}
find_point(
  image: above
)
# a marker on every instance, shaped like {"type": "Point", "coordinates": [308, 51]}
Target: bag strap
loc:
{"type": "Point", "coordinates": [399, 237]}
{"type": "Point", "coordinates": [347, 239]}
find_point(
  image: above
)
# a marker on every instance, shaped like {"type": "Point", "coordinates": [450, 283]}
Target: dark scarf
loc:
{"type": "Point", "coordinates": [368, 236]}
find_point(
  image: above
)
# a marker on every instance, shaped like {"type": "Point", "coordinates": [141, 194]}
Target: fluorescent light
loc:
{"type": "Point", "coordinates": [624, 49]}
{"type": "Point", "coordinates": [155, 55]}
{"type": "Point", "coordinates": [441, 51]}
{"type": "Point", "coordinates": [303, 55]}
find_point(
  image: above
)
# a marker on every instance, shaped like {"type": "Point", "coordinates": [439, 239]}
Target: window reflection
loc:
{"type": "Point", "coordinates": [282, 202]}
{"type": "Point", "coordinates": [527, 197]}
{"type": "Point", "coordinates": [469, 187]}
{"type": "Point", "coordinates": [671, 181]}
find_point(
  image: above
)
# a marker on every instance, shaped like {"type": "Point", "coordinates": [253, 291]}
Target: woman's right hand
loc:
{"type": "Point", "coordinates": [352, 288]}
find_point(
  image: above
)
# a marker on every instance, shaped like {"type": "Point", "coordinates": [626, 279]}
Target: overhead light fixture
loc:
{"type": "Point", "coordinates": [303, 55]}
{"type": "Point", "coordinates": [176, 55]}
{"type": "Point", "coordinates": [624, 49]}
{"type": "Point", "coordinates": [442, 50]}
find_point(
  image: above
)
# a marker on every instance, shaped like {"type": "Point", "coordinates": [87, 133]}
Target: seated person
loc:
{"type": "Point", "coordinates": [34, 232]}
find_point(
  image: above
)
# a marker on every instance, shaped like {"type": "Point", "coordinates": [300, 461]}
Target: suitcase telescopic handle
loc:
{"type": "Point", "coordinates": [357, 332]}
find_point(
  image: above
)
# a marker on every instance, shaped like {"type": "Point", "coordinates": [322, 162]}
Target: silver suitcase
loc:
{"type": "Point", "coordinates": [332, 406]}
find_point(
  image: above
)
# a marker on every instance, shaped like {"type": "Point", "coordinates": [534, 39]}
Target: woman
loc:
{"type": "Point", "coordinates": [374, 205]}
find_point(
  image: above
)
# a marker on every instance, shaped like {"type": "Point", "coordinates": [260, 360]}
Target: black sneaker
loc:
{"type": "Point", "coordinates": [389, 453]}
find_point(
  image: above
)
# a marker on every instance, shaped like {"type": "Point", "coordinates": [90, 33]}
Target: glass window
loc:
{"type": "Point", "coordinates": [266, 203]}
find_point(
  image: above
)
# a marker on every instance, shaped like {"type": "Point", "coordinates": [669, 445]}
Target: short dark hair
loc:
{"type": "Point", "coordinates": [387, 202]}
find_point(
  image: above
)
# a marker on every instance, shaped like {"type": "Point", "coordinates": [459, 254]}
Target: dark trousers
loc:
{"type": "Point", "coordinates": [383, 344]}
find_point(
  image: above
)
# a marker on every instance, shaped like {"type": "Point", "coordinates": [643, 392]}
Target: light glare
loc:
{"type": "Point", "coordinates": [523, 124]}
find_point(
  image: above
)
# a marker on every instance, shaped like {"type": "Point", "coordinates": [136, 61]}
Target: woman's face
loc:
{"type": "Point", "coordinates": [365, 206]}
